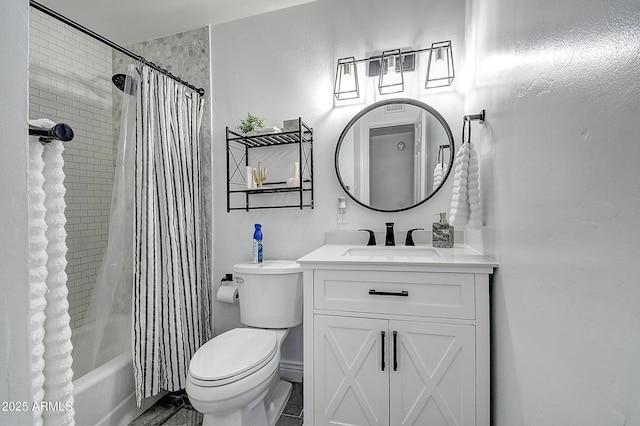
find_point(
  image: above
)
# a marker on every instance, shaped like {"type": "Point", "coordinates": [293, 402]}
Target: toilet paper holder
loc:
{"type": "Point", "coordinates": [228, 291]}
{"type": "Point", "coordinates": [229, 278]}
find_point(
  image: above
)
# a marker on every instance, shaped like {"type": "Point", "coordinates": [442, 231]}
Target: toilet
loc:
{"type": "Point", "coordinates": [234, 379]}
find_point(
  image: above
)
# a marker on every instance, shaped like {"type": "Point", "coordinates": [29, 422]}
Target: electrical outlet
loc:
{"type": "Point", "coordinates": [343, 217]}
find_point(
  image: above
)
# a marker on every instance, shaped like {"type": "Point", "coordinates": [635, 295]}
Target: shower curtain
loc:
{"type": "Point", "coordinates": [171, 293]}
{"type": "Point", "coordinates": [112, 292]}
{"type": "Point", "coordinates": [155, 269]}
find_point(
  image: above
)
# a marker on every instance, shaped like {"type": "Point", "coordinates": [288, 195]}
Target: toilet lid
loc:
{"type": "Point", "coordinates": [268, 267]}
{"type": "Point", "coordinates": [233, 355]}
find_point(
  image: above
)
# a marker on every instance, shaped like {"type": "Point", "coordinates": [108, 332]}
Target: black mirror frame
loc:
{"type": "Point", "coordinates": [371, 107]}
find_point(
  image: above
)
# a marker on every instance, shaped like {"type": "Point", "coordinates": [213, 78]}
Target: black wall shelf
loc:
{"type": "Point", "coordinates": [241, 148]}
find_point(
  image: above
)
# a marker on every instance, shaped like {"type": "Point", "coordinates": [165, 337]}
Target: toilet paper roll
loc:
{"type": "Point", "coordinates": [228, 294]}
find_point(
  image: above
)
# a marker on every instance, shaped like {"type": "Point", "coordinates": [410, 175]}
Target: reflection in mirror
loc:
{"type": "Point", "coordinates": [389, 154]}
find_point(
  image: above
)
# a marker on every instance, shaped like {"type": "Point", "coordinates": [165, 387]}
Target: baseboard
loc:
{"type": "Point", "coordinates": [291, 371]}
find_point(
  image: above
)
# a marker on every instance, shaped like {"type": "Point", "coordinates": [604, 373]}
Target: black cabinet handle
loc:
{"type": "Point", "coordinates": [382, 365]}
{"type": "Point", "coordinates": [388, 293]}
{"type": "Point", "coordinates": [395, 351]}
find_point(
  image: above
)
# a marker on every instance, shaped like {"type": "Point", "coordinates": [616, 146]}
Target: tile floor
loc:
{"type": "Point", "coordinates": [174, 409]}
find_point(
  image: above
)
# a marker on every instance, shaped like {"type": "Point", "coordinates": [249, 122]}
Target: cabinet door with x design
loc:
{"type": "Point", "coordinates": [432, 374]}
{"type": "Point", "coordinates": [372, 371]}
{"type": "Point", "coordinates": [351, 376]}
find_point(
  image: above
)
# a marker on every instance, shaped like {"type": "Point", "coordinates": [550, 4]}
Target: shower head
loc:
{"type": "Point", "coordinates": [119, 81]}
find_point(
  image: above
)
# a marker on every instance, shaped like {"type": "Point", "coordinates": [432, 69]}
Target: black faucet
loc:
{"type": "Point", "coordinates": [389, 239]}
{"type": "Point", "coordinates": [409, 240]}
{"type": "Point", "coordinates": [372, 237]}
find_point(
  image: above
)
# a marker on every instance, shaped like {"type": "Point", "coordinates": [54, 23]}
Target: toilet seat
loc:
{"type": "Point", "coordinates": [232, 356]}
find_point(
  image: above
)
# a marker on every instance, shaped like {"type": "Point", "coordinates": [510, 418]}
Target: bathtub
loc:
{"type": "Point", "coordinates": [106, 394]}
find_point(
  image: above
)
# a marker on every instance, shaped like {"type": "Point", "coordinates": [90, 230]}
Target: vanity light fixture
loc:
{"type": "Point", "coordinates": [391, 73]}
{"type": "Point", "coordinates": [391, 65]}
{"type": "Point", "coordinates": [346, 86]}
{"type": "Point", "coordinates": [440, 70]}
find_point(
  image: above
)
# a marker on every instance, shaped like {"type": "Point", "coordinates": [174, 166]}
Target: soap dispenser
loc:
{"type": "Point", "coordinates": [442, 233]}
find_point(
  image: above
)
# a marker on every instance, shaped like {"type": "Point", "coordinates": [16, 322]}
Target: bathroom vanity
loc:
{"type": "Point", "coordinates": [396, 335]}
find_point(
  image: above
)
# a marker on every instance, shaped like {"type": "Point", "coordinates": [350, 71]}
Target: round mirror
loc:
{"type": "Point", "coordinates": [394, 155]}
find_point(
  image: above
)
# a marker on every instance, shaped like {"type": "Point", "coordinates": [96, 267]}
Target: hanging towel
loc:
{"type": "Point", "coordinates": [473, 190]}
{"type": "Point", "coordinates": [58, 386]}
{"type": "Point", "coordinates": [465, 200]}
{"type": "Point", "coordinates": [438, 174]}
{"type": "Point", "coordinates": [37, 273]}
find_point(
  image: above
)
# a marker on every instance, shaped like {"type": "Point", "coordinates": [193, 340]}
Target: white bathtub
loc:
{"type": "Point", "coordinates": [105, 395]}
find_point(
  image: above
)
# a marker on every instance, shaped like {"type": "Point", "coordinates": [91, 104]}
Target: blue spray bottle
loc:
{"type": "Point", "coordinates": [257, 244]}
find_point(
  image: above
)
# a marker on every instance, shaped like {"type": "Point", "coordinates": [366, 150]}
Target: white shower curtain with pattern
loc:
{"type": "Point", "coordinates": [171, 291]}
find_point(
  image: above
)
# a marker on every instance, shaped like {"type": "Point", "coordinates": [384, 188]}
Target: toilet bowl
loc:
{"type": "Point", "coordinates": [234, 378]}
{"type": "Point", "coordinates": [231, 376]}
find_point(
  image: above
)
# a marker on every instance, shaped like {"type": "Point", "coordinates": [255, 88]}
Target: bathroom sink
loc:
{"type": "Point", "coordinates": [414, 253]}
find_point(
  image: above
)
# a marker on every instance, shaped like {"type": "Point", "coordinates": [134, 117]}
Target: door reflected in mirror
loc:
{"type": "Point", "coordinates": [394, 155]}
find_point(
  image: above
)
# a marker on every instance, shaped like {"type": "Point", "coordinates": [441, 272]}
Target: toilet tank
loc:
{"type": "Point", "coordinates": [270, 293]}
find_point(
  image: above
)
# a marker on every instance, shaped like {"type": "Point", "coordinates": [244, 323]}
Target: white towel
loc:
{"type": "Point", "coordinates": [58, 386]}
{"type": "Point", "coordinates": [465, 200]}
{"type": "Point", "coordinates": [473, 191]}
{"type": "Point", "coordinates": [43, 123]}
{"type": "Point", "coordinates": [438, 174]}
{"type": "Point", "coordinates": [37, 273]}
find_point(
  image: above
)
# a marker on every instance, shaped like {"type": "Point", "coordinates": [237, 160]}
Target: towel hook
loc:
{"type": "Point", "coordinates": [464, 127]}
{"type": "Point", "coordinates": [441, 154]}
{"type": "Point", "coordinates": [480, 117]}
{"type": "Point", "coordinates": [468, 119]}
{"type": "Point", "coordinates": [61, 132]}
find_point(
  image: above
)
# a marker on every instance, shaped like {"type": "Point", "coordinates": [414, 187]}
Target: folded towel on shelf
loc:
{"type": "Point", "coordinates": [465, 200]}
{"type": "Point", "coordinates": [263, 130]}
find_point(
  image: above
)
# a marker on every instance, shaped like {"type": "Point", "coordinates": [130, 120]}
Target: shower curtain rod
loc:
{"type": "Point", "coordinates": [111, 44]}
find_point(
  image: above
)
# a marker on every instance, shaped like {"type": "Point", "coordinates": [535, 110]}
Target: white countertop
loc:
{"type": "Point", "coordinates": [460, 258]}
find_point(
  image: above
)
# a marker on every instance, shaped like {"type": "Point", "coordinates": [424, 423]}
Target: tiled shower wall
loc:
{"type": "Point", "coordinates": [69, 82]}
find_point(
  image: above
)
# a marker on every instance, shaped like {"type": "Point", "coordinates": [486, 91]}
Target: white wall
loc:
{"type": "Point", "coordinates": [561, 85]}
{"type": "Point", "coordinates": [15, 366]}
{"type": "Point", "coordinates": [281, 65]}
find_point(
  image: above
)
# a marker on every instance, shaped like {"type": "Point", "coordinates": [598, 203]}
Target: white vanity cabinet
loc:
{"type": "Point", "coordinates": [395, 344]}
